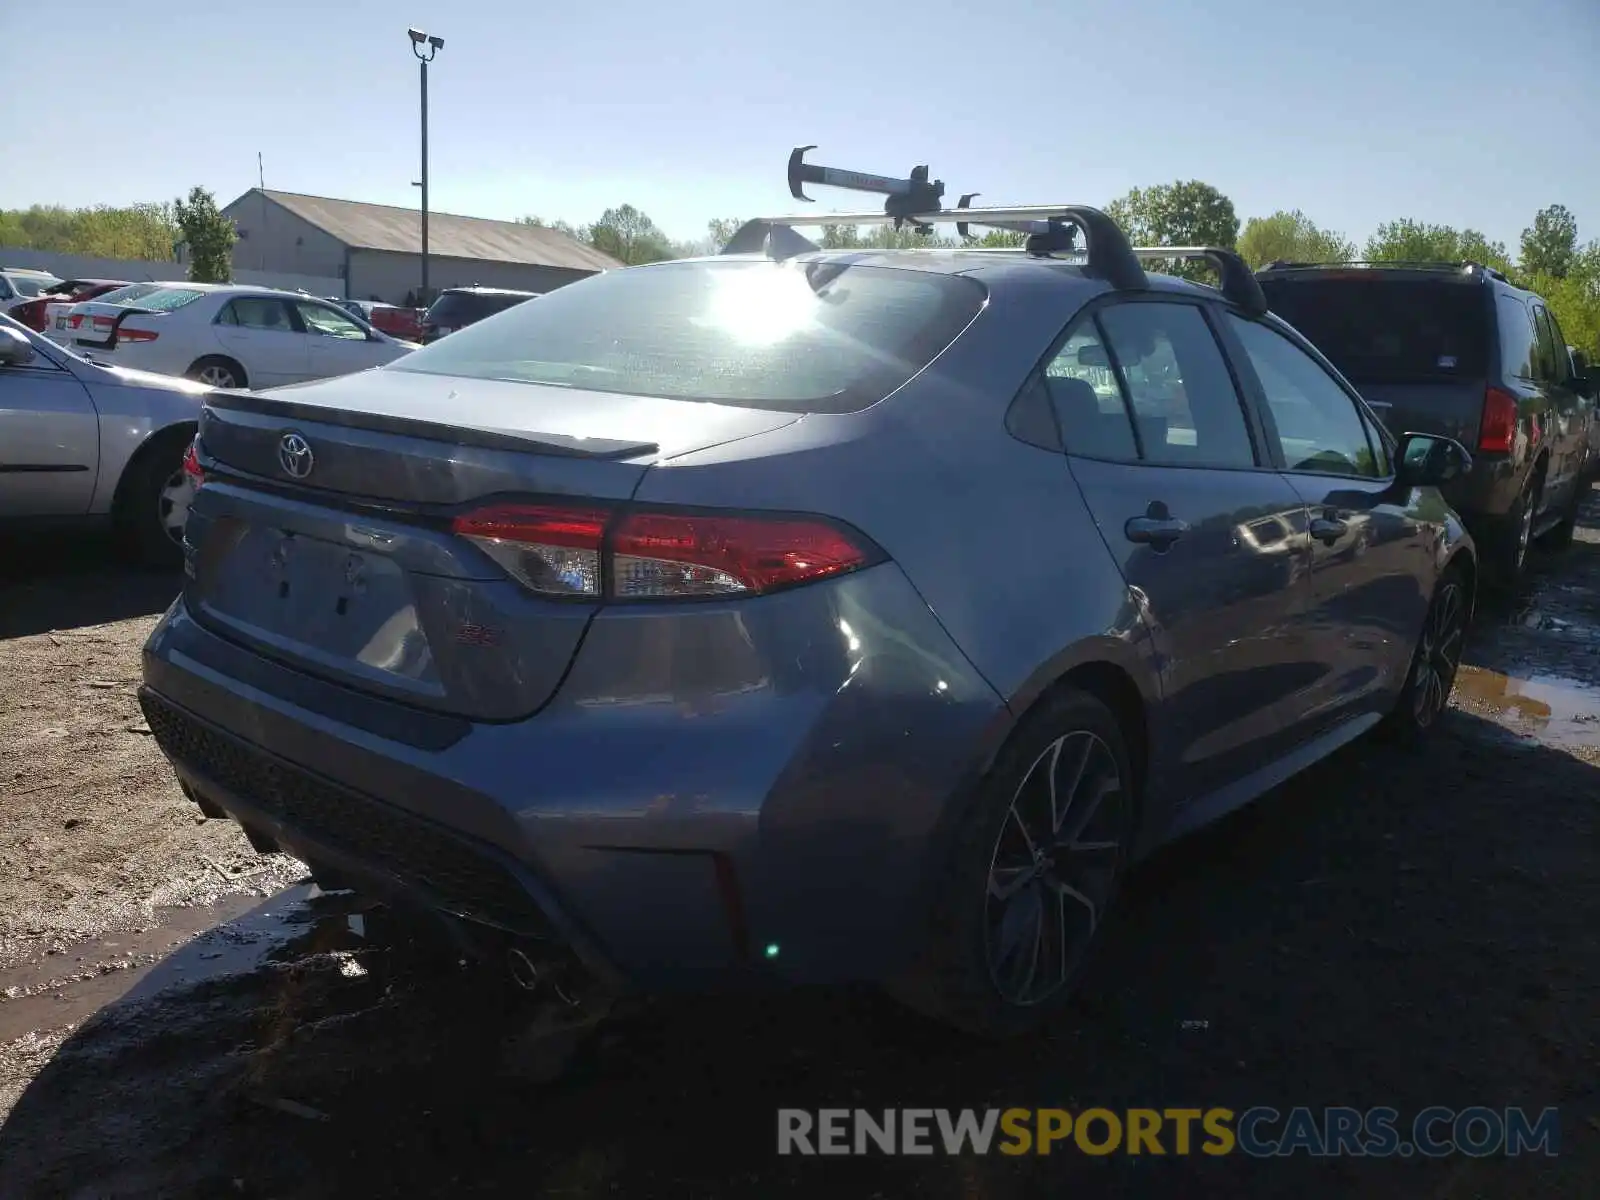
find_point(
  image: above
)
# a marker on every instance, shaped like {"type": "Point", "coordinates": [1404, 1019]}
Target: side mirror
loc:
{"type": "Point", "coordinates": [1427, 460]}
{"type": "Point", "coordinates": [15, 350]}
{"type": "Point", "coordinates": [1582, 380]}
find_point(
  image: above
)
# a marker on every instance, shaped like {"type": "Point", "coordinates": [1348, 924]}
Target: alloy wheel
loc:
{"type": "Point", "coordinates": [217, 375]}
{"type": "Point", "coordinates": [172, 505]}
{"type": "Point", "coordinates": [1439, 654]}
{"type": "Point", "coordinates": [1055, 864]}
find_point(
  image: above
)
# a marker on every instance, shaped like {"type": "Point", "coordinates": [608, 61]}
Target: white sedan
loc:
{"type": "Point", "coordinates": [230, 336]}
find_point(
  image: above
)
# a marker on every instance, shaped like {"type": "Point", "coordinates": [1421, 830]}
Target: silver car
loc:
{"type": "Point", "coordinates": [82, 442]}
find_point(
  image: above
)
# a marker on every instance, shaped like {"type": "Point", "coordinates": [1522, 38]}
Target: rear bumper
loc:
{"type": "Point", "coordinates": [707, 783]}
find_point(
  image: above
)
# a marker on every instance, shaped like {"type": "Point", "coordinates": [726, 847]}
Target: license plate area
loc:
{"type": "Point", "coordinates": [346, 610]}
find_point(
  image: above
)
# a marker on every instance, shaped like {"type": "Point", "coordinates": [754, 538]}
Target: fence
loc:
{"type": "Point", "coordinates": [79, 266]}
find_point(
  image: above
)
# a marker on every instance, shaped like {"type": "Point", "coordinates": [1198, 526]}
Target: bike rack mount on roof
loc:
{"type": "Point", "coordinates": [1049, 229]}
{"type": "Point", "coordinates": [1238, 283]}
{"type": "Point", "coordinates": [915, 200]}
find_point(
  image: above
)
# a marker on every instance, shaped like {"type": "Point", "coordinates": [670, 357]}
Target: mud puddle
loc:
{"type": "Point", "coordinates": [1555, 711]}
{"type": "Point", "coordinates": [185, 946]}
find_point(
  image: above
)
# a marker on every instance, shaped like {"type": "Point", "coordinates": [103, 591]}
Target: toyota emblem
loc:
{"type": "Point", "coordinates": [294, 456]}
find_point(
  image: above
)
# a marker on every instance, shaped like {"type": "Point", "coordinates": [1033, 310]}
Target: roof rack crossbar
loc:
{"type": "Point", "coordinates": [1238, 283]}
{"type": "Point", "coordinates": [1396, 264]}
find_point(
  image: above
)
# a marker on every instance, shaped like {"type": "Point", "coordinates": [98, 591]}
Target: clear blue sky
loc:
{"type": "Point", "coordinates": [1466, 112]}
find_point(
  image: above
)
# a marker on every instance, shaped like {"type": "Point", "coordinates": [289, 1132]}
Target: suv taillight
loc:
{"type": "Point", "coordinates": [1497, 433]}
{"type": "Point", "coordinates": [557, 550]}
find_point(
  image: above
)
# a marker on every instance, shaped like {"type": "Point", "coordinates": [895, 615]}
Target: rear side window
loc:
{"type": "Point", "coordinates": [1389, 330]}
{"type": "Point", "coordinates": [257, 312]}
{"type": "Point", "coordinates": [788, 336]}
{"type": "Point", "coordinates": [1185, 407]}
{"type": "Point", "coordinates": [1516, 336]}
{"type": "Point", "coordinates": [1549, 354]}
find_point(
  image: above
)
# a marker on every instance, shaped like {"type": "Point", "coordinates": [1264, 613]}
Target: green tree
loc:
{"type": "Point", "coordinates": [1291, 237]}
{"type": "Point", "coordinates": [1187, 212]}
{"type": "Point", "coordinates": [1550, 244]}
{"type": "Point", "coordinates": [1406, 240]}
{"type": "Point", "coordinates": [142, 231]}
{"type": "Point", "coordinates": [629, 236]}
{"type": "Point", "coordinates": [578, 233]}
{"type": "Point", "coordinates": [210, 237]}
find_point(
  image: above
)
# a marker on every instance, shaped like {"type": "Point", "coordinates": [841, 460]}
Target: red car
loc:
{"type": "Point", "coordinates": [36, 314]}
{"type": "Point", "coordinates": [403, 323]}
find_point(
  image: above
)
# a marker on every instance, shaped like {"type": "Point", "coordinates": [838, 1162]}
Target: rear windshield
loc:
{"type": "Point", "coordinates": [463, 308]}
{"type": "Point", "coordinates": [166, 299]}
{"type": "Point", "coordinates": [31, 286]}
{"type": "Point", "coordinates": [1389, 330]}
{"type": "Point", "coordinates": [127, 295]}
{"type": "Point", "coordinates": [783, 336]}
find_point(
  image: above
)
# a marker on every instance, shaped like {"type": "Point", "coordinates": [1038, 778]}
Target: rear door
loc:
{"type": "Point", "coordinates": [1209, 536]}
{"type": "Point", "coordinates": [49, 441]}
{"type": "Point", "coordinates": [1562, 422]}
{"type": "Point", "coordinates": [1373, 565]}
{"type": "Point", "coordinates": [264, 336]}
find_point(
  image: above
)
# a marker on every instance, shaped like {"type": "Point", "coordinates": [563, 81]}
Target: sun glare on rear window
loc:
{"type": "Point", "coordinates": [792, 336]}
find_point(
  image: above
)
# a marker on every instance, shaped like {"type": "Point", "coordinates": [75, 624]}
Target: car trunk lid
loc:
{"type": "Point", "coordinates": [322, 535]}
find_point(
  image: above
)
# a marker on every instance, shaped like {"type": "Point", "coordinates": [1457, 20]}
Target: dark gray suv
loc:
{"type": "Point", "coordinates": [1457, 349]}
{"type": "Point", "coordinates": [809, 617]}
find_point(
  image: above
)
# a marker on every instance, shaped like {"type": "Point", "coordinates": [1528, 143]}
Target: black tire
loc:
{"type": "Point", "coordinates": [1056, 904]}
{"type": "Point", "coordinates": [212, 368]}
{"type": "Point", "coordinates": [144, 502]}
{"type": "Point", "coordinates": [1507, 560]}
{"type": "Point", "coordinates": [1434, 661]}
{"type": "Point", "coordinates": [1560, 536]}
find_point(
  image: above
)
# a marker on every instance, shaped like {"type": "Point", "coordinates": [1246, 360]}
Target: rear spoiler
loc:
{"type": "Point", "coordinates": [560, 445]}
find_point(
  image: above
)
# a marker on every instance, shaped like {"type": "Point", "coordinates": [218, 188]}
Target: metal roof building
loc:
{"type": "Point", "coordinates": [376, 248]}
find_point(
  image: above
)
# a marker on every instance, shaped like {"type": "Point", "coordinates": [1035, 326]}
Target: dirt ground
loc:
{"type": "Point", "coordinates": [1388, 929]}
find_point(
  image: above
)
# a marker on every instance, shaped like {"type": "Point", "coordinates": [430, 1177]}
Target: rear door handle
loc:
{"type": "Point", "coordinates": [1159, 532]}
{"type": "Point", "coordinates": [1328, 530]}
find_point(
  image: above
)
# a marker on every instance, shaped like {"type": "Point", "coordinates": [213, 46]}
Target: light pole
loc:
{"type": "Point", "coordinates": [433, 45]}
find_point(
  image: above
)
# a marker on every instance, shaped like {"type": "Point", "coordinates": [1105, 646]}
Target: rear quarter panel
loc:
{"type": "Point", "coordinates": [991, 531]}
{"type": "Point", "coordinates": [130, 415]}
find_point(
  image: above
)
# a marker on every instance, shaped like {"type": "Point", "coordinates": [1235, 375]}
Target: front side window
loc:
{"type": "Point", "coordinates": [1184, 402]}
{"type": "Point", "coordinates": [320, 318]}
{"type": "Point", "coordinates": [793, 336]}
{"type": "Point", "coordinates": [1319, 427]}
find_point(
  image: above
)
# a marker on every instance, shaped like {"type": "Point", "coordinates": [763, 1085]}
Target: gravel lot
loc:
{"type": "Point", "coordinates": [1390, 928]}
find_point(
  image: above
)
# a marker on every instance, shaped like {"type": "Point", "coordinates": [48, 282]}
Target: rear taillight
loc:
{"type": "Point", "coordinates": [125, 334]}
{"type": "Point", "coordinates": [1497, 433]}
{"type": "Point", "coordinates": [562, 551]}
{"type": "Point", "coordinates": [191, 463]}
{"type": "Point", "coordinates": [75, 320]}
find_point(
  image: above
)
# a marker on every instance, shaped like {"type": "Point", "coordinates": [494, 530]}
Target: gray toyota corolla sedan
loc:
{"type": "Point", "coordinates": [793, 615]}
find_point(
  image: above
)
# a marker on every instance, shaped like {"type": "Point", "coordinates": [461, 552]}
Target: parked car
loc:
{"type": "Point", "coordinates": [403, 323]}
{"type": "Point", "coordinates": [857, 615]}
{"type": "Point", "coordinates": [49, 308]}
{"type": "Point", "coordinates": [1457, 349]}
{"type": "Point", "coordinates": [82, 443]}
{"type": "Point", "coordinates": [456, 308]}
{"type": "Point", "coordinates": [18, 285]}
{"type": "Point", "coordinates": [1581, 369]}
{"type": "Point", "coordinates": [230, 336]}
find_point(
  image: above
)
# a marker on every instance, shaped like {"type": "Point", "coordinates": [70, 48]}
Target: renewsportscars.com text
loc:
{"type": "Point", "coordinates": [1259, 1132]}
